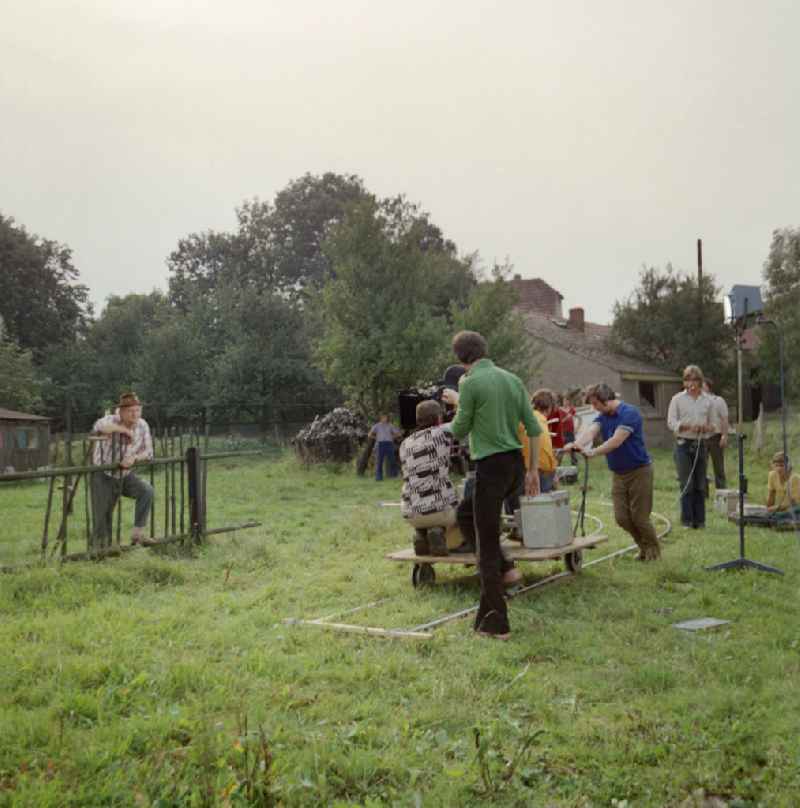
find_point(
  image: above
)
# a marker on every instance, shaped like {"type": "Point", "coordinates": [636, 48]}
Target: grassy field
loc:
{"type": "Point", "coordinates": [171, 680]}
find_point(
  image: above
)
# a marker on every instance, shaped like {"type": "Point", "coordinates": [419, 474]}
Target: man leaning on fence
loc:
{"type": "Point", "coordinates": [124, 440]}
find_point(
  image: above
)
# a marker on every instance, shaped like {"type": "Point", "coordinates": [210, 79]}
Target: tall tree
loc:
{"type": "Point", "coordinates": [671, 321]}
{"type": "Point", "coordinates": [20, 386]}
{"type": "Point", "coordinates": [116, 340]}
{"type": "Point", "coordinates": [41, 302]}
{"type": "Point", "coordinates": [304, 213]}
{"type": "Point", "coordinates": [782, 302]}
{"type": "Point", "coordinates": [382, 315]}
{"type": "Point", "coordinates": [276, 247]}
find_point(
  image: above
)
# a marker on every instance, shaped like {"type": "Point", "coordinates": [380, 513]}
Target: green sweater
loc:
{"type": "Point", "coordinates": [491, 405]}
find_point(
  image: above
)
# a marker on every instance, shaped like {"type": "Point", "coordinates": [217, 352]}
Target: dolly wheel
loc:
{"type": "Point", "coordinates": [423, 575]}
{"type": "Point", "coordinates": [574, 561]}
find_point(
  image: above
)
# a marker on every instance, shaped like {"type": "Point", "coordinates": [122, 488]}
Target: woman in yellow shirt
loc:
{"type": "Point", "coordinates": [543, 402]}
{"type": "Point", "coordinates": [783, 487]}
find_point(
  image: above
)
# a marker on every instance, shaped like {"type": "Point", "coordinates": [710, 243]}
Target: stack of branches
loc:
{"type": "Point", "coordinates": [331, 438]}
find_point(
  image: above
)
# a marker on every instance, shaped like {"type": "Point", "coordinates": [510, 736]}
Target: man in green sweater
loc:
{"type": "Point", "coordinates": [491, 405]}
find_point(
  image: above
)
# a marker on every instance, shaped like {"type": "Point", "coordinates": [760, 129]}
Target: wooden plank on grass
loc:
{"type": "Point", "coordinates": [370, 630]}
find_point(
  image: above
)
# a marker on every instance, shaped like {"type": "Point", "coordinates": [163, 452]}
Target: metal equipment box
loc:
{"type": "Point", "coordinates": [726, 501]}
{"type": "Point", "coordinates": [545, 520]}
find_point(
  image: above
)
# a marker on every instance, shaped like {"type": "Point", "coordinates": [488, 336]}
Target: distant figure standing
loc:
{"type": "Point", "coordinates": [689, 417]}
{"type": "Point", "coordinates": [133, 445]}
{"type": "Point", "coordinates": [717, 440]}
{"type": "Point", "coordinates": [384, 434]}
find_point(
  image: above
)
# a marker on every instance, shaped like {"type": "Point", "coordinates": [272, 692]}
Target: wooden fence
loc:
{"type": "Point", "coordinates": [178, 512]}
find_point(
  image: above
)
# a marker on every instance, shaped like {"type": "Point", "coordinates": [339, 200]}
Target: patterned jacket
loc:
{"type": "Point", "coordinates": [425, 458]}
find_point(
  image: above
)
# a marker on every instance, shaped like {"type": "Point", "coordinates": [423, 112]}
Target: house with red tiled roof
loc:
{"type": "Point", "coordinates": [575, 355]}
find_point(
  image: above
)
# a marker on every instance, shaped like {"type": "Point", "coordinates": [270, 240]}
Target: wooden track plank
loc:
{"type": "Point", "coordinates": [513, 551]}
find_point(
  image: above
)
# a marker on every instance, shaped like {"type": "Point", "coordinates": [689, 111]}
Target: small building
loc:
{"type": "Point", "coordinates": [24, 441]}
{"type": "Point", "coordinates": [575, 355]}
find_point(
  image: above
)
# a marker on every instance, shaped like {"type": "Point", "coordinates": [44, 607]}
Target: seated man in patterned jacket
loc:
{"type": "Point", "coordinates": [428, 499]}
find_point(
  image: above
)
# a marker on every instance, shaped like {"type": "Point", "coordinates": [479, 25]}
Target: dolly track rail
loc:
{"type": "Point", "coordinates": [424, 631]}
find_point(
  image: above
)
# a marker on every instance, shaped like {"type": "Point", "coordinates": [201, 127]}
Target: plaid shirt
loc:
{"type": "Point", "coordinates": [138, 448]}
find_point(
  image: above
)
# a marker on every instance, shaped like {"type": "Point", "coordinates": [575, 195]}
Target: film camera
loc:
{"type": "Point", "coordinates": [407, 400]}
{"type": "Point", "coordinates": [407, 404]}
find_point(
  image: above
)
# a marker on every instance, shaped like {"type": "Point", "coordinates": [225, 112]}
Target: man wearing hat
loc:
{"type": "Point", "coordinates": [124, 440]}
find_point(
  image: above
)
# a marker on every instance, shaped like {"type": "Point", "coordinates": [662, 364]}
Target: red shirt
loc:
{"type": "Point", "coordinates": [555, 422]}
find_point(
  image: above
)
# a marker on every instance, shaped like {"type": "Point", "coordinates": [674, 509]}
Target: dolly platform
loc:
{"type": "Point", "coordinates": [423, 573]}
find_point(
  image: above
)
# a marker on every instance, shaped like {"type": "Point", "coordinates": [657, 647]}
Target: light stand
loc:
{"type": "Point", "coordinates": [742, 300]}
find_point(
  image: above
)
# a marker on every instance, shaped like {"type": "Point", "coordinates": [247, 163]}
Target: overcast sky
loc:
{"type": "Point", "coordinates": [579, 140]}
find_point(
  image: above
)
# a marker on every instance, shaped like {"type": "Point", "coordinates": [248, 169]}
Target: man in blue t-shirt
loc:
{"type": "Point", "coordinates": [620, 425]}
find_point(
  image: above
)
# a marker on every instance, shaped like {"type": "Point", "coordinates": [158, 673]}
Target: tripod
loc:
{"type": "Point", "coordinates": [742, 562]}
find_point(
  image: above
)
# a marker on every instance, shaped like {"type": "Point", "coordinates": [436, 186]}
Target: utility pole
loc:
{"type": "Point", "coordinates": [700, 275]}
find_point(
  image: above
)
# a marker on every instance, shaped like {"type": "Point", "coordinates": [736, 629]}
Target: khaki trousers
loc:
{"type": "Point", "coordinates": [632, 495]}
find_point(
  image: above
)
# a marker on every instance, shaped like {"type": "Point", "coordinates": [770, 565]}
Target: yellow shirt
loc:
{"type": "Point", "coordinates": [781, 500]}
{"type": "Point", "coordinates": [547, 457]}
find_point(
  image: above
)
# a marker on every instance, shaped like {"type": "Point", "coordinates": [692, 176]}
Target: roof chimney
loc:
{"type": "Point", "coordinates": [517, 277]}
{"type": "Point", "coordinates": [576, 320]}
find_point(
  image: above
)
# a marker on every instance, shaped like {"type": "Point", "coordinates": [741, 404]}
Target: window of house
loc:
{"type": "Point", "coordinates": [647, 393]}
{"type": "Point", "coordinates": [27, 438]}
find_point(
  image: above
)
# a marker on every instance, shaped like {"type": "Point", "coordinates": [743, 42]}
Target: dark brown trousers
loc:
{"type": "Point", "coordinates": [632, 495]}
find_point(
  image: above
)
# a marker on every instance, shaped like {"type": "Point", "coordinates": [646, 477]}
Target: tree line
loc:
{"type": "Point", "coordinates": [326, 293]}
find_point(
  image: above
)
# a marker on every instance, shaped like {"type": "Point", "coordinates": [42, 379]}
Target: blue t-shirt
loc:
{"type": "Point", "coordinates": [632, 454]}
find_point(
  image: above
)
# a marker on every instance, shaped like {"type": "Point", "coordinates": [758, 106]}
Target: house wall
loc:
{"type": "Point", "coordinates": [563, 370]}
{"type": "Point", "coordinates": [24, 453]}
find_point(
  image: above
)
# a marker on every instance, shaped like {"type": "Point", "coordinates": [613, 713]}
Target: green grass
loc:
{"type": "Point", "coordinates": [130, 682]}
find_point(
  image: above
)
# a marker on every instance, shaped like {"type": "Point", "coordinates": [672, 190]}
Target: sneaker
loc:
{"type": "Point", "coordinates": [512, 576]}
{"type": "Point", "coordinates": [464, 547]}
{"type": "Point", "coordinates": [137, 537]}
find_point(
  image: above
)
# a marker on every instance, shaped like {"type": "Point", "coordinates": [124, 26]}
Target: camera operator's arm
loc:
{"type": "Point", "coordinates": [461, 425]}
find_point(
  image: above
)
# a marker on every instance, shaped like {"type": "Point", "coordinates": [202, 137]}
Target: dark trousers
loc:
{"type": "Point", "coordinates": [496, 477]}
{"type": "Point", "coordinates": [692, 455]}
{"type": "Point", "coordinates": [717, 455]}
{"type": "Point", "coordinates": [632, 495]}
{"type": "Point", "coordinates": [385, 452]}
{"type": "Point", "coordinates": [465, 516]}
{"type": "Point", "coordinates": [105, 493]}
